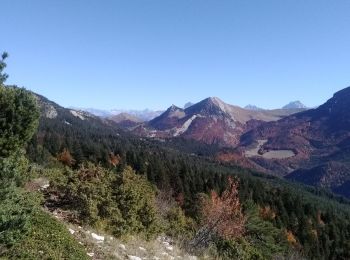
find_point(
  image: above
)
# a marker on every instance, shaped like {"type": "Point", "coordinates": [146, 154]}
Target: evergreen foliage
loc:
{"type": "Point", "coordinates": [120, 202]}
{"type": "Point", "coordinates": [25, 231]}
{"type": "Point", "coordinates": [18, 119]}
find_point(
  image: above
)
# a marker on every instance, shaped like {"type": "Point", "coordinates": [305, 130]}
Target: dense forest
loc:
{"type": "Point", "coordinates": [126, 185]}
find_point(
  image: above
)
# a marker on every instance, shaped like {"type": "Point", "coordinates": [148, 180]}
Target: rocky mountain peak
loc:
{"type": "Point", "coordinates": [294, 105]}
{"type": "Point", "coordinates": [173, 108]}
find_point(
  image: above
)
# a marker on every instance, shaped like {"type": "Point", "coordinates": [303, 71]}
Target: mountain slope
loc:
{"type": "Point", "coordinates": [316, 136]}
{"type": "Point", "coordinates": [126, 120]}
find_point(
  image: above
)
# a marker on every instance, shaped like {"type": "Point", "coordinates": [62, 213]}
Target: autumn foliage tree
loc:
{"type": "Point", "coordinates": [222, 217]}
{"type": "Point", "coordinates": [66, 158]}
{"type": "Point", "coordinates": [114, 160]}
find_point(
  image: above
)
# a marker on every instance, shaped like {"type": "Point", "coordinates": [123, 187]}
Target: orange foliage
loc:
{"type": "Point", "coordinates": [114, 160]}
{"type": "Point", "coordinates": [291, 238]}
{"type": "Point", "coordinates": [223, 214]}
{"type": "Point", "coordinates": [66, 158]}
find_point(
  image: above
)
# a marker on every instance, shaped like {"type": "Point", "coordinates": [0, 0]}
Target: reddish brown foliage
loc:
{"type": "Point", "coordinates": [291, 238]}
{"type": "Point", "coordinates": [223, 214]}
{"type": "Point", "coordinates": [267, 213]}
{"type": "Point", "coordinates": [114, 160]}
{"type": "Point", "coordinates": [66, 158]}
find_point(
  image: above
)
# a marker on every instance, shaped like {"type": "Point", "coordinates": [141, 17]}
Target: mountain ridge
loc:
{"type": "Point", "coordinates": [320, 139]}
{"type": "Point", "coordinates": [211, 121]}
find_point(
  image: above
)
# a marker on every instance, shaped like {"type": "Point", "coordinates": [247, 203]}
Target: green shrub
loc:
{"type": "Point", "coordinates": [239, 249]}
{"type": "Point", "coordinates": [178, 224]}
{"type": "Point", "coordinates": [19, 116]}
{"type": "Point", "coordinates": [122, 203]}
{"type": "Point", "coordinates": [135, 198]}
{"type": "Point", "coordinates": [47, 239]}
{"type": "Point", "coordinates": [16, 209]}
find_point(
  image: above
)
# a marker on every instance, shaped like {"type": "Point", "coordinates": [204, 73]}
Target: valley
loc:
{"type": "Point", "coordinates": [278, 142]}
{"type": "Point", "coordinates": [273, 154]}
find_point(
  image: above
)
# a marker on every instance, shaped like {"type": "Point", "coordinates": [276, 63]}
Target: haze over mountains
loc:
{"type": "Point", "coordinates": [148, 114]}
{"type": "Point", "coordinates": [143, 115]}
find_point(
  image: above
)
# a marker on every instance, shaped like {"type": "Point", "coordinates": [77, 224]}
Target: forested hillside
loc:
{"type": "Point", "coordinates": [309, 220]}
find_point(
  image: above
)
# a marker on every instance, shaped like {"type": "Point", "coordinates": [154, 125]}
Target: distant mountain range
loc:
{"type": "Point", "coordinates": [147, 114]}
{"type": "Point", "coordinates": [142, 115]}
{"type": "Point", "coordinates": [291, 105]}
{"type": "Point", "coordinates": [211, 121]}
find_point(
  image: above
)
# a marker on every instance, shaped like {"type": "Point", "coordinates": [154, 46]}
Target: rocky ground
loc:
{"type": "Point", "coordinates": [100, 246]}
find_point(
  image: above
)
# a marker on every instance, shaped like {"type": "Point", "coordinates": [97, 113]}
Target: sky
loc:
{"type": "Point", "coordinates": [136, 54]}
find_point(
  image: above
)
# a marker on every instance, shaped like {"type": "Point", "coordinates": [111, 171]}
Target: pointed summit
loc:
{"type": "Point", "coordinates": [166, 119]}
{"type": "Point", "coordinates": [295, 105]}
{"type": "Point", "coordinates": [173, 108]}
{"type": "Point", "coordinates": [208, 106]}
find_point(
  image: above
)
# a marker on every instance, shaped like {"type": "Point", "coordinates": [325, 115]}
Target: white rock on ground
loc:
{"type": "Point", "coordinates": [122, 247]}
{"type": "Point", "coordinates": [166, 244]}
{"type": "Point", "coordinates": [131, 257]}
{"type": "Point", "coordinates": [169, 248]}
{"type": "Point", "coordinates": [142, 249]}
{"type": "Point", "coordinates": [71, 231]}
{"type": "Point", "coordinates": [91, 254]}
{"type": "Point", "coordinates": [45, 186]}
{"type": "Point", "coordinates": [97, 237]}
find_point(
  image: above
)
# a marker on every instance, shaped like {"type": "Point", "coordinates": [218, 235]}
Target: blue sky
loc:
{"type": "Point", "coordinates": [153, 53]}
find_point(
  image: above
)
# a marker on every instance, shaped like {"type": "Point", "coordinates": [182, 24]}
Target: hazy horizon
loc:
{"type": "Point", "coordinates": [137, 55]}
{"type": "Point", "coordinates": [178, 105]}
